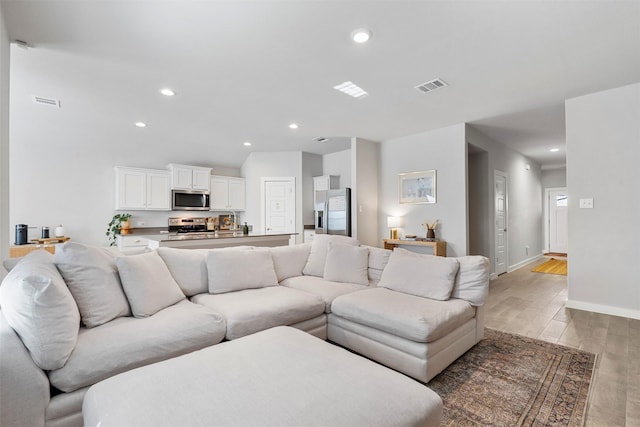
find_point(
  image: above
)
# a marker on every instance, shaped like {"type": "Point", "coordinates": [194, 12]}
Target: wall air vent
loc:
{"type": "Point", "coordinates": [320, 139]}
{"type": "Point", "coordinates": [46, 101]}
{"type": "Point", "coordinates": [431, 85]}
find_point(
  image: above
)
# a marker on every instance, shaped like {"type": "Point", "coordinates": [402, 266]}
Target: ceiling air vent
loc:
{"type": "Point", "coordinates": [320, 139]}
{"type": "Point", "coordinates": [46, 101]}
{"type": "Point", "coordinates": [431, 85]}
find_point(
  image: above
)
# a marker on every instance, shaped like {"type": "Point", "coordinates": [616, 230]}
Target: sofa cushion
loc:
{"type": "Point", "coordinates": [188, 267]}
{"type": "Point", "coordinates": [411, 317]}
{"type": "Point", "coordinates": [92, 277]}
{"type": "Point", "coordinates": [289, 261]}
{"type": "Point", "coordinates": [38, 305]}
{"type": "Point", "coordinates": [378, 259]}
{"type": "Point", "coordinates": [325, 289]}
{"type": "Point", "coordinates": [347, 264]}
{"type": "Point", "coordinates": [472, 280]}
{"type": "Point", "coordinates": [147, 283]}
{"type": "Point", "coordinates": [253, 310]}
{"type": "Point", "coordinates": [421, 275]}
{"type": "Point", "coordinates": [318, 254]}
{"type": "Point", "coordinates": [236, 270]}
{"type": "Point", "coordinates": [126, 343]}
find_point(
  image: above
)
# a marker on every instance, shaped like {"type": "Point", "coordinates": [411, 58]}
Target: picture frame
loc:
{"type": "Point", "coordinates": [417, 187]}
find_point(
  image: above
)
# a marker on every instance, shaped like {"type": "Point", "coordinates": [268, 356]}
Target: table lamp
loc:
{"type": "Point", "coordinates": [393, 222]}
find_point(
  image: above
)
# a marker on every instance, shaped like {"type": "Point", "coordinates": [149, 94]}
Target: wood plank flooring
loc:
{"type": "Point", "coordinates": [533, 304]}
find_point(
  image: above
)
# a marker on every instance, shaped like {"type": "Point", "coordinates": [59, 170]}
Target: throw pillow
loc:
{"type": "Point", "coordinates": [347, 264]}
{"type": "Point", "coordinates": [378, 259]}
{"type": "Point", "coordinates": [92, 277]}
{"type": "Point", "coordinates": [472, 280]}
{"type": "Point", "coordinates": [39, 307]}
{"type": "Point", "coordinates": [318, 255]}
{"type": "Point", "coordinates": [188, 267]}
{"type": "Point", "coordinates": [147, 283]}
{"type": "Point", "coordinates": [236, 270]}
{"type": "Point", "coordinates": [425, 276]}
{"type": "Point", "coordinates": [289, 261]}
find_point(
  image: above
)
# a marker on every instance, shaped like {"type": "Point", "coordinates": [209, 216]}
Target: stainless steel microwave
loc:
{"type": "Point", "coordinates": [190, 200]}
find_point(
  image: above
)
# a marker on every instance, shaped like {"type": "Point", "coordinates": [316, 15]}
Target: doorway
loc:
{"type": "Point", "coordinates": [500, 214]}
{"type": "Point", "coordinates": [279, 204]}
{"type": "Point", "coordinates": [557, 234]}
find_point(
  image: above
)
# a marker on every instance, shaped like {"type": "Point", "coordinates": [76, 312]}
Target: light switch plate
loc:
{"type": "Point", "coordinates": [586, 203]}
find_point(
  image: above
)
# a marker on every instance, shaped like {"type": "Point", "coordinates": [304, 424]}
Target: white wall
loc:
{"type": "Point", "coordinates": [524, 192]}
{"type": "Point", "coordinates": [554, 178]}
{"type": "Point", "coordinates": [603, 149]}
{"type": "Point", "coordinates": [479, 204]}
{"type": "Point", "coordinates": [5, 235]}
{"type": "Point", "coordinates": [365, 166]}
{"type": "Point", "coordinates": [445, 151]}
{"type": "Point", "coordinates": [338, 163]}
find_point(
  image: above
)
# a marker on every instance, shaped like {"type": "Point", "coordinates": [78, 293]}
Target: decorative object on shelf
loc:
{"type": "Point", "coordinates": [418, 187]}
{"type": "Point", "coordinates": [59, 231]}
{"type": "Point", "coordinates": [45, 232]}
{"type": "Point", "coordinates": [22, 232]}
{"type": "Point", "coordinates": [393, 222]}
{"type": "Point", "coordinates": [115, 227]}
{"type": "Point", "coordinates": [431, 227]}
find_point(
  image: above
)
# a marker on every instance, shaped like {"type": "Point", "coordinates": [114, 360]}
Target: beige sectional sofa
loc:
{"type": "Point", "coordinates": [70, 322]}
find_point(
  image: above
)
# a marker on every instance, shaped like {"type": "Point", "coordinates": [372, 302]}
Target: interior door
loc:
{"type": "Point", "coordinates": [558, 226]}
{"type": "Point", "coordinates": [500, 197]}
{"type": "Point", "coordinates": [279, 205]}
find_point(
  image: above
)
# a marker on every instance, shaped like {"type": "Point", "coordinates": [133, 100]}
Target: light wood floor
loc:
{"type": "Point", "coordinates": [533, 304]}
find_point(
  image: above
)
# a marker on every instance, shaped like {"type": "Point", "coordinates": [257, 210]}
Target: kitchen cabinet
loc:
{"type": "Point", "coordinates": [132, 244]}
{"type": "Point", "coordinates": [142, 189]}
{"type": "Point", "coordinates": [185, 177]}
{"type": "Point", "coordinates": [308, 235]}
{"type": "Point", "coordinates": [324, 183]}
{"type": "Point", "coordinates": [228, 193]}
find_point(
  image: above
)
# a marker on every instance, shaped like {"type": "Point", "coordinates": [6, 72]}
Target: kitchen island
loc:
{"type": "Point", "coordinates": [202, 240]}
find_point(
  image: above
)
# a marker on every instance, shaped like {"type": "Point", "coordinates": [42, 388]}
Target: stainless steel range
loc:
{"type": "Point", "coordinates": [187, 225]}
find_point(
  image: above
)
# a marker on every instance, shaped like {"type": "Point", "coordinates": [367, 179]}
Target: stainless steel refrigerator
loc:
{"type": "Point", "coordinates": [333, 212]}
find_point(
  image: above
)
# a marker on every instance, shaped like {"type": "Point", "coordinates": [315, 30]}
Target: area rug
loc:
{"type": "Point", "coordinates": [511, 380]}
{"type": "Point", "coordinates": [553, 266]}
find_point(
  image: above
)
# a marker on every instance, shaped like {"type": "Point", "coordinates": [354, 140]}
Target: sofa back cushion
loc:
{"type": "Point", "coordinates": [147, 283]}
{"type": "Point", "coordinates": [472, 281]}
{"type": "Point", "coordinates": [188, 267]}
{"type": "Point", "coordinates": [38, 305]}
{"type": "Point", "coordinates": [425, 276]}
{"type": "Point", "coordinates": [347, 264]}
{"type": "Point", "coordinates": [318, 254]}
{"type": "Point", "coordinates": [236, 270]}
{"type": "Point", "coordinates": [92, 277]}
{"type": "Point", "coordinates": [289, 261]}
{"type": "Point", "coordinates": [378, 259]}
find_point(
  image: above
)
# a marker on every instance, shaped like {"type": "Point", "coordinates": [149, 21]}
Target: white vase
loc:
{"type": "Point", "coordinates": [59, 231]}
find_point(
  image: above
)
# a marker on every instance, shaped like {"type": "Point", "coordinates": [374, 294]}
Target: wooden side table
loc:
{"type": "Point", "coordinates": [48, 245]}
{"type": "Point", "coordinates": [439, 246]}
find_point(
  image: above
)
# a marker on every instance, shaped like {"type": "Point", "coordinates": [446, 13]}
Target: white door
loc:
{"type": "Point", "coordinates": [279, 205]}
{"type": "Point", "coordinates": [558, 228]}
{"type": "Point", "coordinates": [500, 197]}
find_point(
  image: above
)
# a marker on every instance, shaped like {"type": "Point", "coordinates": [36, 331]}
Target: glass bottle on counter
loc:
{"type": "Point", "coordinates": [245, 229]}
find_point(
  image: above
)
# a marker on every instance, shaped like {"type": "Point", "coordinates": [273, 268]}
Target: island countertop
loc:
{"type": "Point", "coordinates": [211, 240]}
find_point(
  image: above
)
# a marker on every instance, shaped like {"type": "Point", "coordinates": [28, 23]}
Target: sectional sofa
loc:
{"type": "Point", "coordinates": [70, 321]}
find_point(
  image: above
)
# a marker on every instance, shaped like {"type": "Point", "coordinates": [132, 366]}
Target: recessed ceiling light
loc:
{"type": "Point", "coordinates": [293, 126]}
{"type": "Point", "coordinates": [167, 92]}
{"type": "Point", "coordinates": [361, 35]}
{"type": "Point", "coordinates": [141, 124]}
{"type": "Point", "coordinates": [553, 150]}
{"type": "Point", "coordinates": [246, 144]}
{"type": "Point", "coordinates": [351, 89]}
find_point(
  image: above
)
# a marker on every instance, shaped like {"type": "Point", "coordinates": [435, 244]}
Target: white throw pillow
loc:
{"type": "Point", "coordinates": [318, 254]}
{"type": "Point", "coordinates": [289, 261]}
{"type": "Point", "coordinates": [188, 267]}
{"type": "Point", "coordinates": [472, 280]}
{"type": "Point", "coordinates": [426, 276]}
{"type": "Point", "coordinates": [39, 307]}
{"type": "Point", "coordinates": [378, 259]}
{"type": "Point", "coordinates": [236, 270]}
{"type": "Point", "coordinates": [92, 277]}
{"type": "Point", "coordinates": [347, 264]}
{"type": "Point", "coordinates": [147, 283]}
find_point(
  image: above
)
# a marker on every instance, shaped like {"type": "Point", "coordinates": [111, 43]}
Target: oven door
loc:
{"type": "Point", "coordinates": [186, 200]}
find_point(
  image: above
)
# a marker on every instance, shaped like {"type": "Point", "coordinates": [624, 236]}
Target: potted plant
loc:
{"type": "Point", "coordinates": [118, 223]}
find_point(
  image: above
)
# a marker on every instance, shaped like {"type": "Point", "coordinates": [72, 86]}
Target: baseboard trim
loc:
{"type": "Point", "coordinates": [603, 309]}
{"type": "Point", "coordinates": [523, 263]}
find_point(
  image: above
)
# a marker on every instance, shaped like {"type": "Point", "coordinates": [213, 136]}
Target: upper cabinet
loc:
{"type": "Point", "coordinates": [185, 177]}
{"type": "Point", "coordinates": [321, 184]}
{"type": "Point", "coordinates": [228, 193]}
{"type": "Point", "coordinates": [142, 189]}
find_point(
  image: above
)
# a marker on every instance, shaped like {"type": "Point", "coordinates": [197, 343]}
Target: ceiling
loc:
{"type": "Point", "coordinates": [244, 70]}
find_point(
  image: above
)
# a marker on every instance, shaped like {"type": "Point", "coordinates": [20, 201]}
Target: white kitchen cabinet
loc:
{"type": "Point", "coordinates": [132, 244]}
{"type": "Point", "coordinates": [228, 193]}
{"type": "Point", "coordinates": [308, 235]}
{"type": "Point", "coordinates": [142, 189]}
{"type": "Point", "coordinates": [185, 177]}
{"type": "Point", "coordinates": [324, 183]}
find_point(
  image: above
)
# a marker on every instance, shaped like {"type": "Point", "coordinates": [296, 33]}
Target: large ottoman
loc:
{"type": "Point", "coordinates": [278, 377]}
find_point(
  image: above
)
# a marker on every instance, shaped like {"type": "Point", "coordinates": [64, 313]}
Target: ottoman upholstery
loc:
{"type": "Point", "coordinates": [280, 376]}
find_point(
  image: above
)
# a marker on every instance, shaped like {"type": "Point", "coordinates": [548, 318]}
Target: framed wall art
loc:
{"type": "Point", "coordinates": [418, 187]}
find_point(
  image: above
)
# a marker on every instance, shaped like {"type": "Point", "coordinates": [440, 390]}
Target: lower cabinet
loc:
{"type": "Point", "coordinates": [308, 235]}
{"type": "Point", "coordinates": [142, 189]}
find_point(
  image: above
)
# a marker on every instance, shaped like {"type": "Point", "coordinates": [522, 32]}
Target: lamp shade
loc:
{"type": "Point", "coordinates": [394, 221]}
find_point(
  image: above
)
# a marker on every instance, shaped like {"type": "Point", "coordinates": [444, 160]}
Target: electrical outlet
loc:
{"type": "Point", "coordinates": [526, 250]}
{"type": "Point", "coordinates": [586, 203]}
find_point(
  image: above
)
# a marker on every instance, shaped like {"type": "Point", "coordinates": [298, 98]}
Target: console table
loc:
{"type": "Point", "coordinates": [439, 246]}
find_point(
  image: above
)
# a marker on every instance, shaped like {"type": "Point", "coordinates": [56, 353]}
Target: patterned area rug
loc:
{"type": "Point", "coordinates": [511, 380]}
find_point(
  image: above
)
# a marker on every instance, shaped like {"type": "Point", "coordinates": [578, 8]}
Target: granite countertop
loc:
{"type": "Point", "coordinates": [168, 237]}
